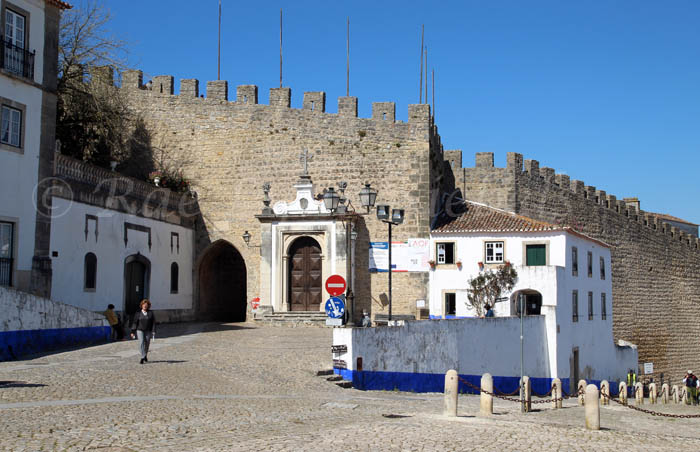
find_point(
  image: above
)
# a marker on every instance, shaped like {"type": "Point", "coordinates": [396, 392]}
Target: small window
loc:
{"type": "Point", "coordinates": [603, 307]}
{"type": "Point", "coordinates": [590, 305]}
{"type": "Point", "coordinates": [494, 252]}
{"type": "Point", "coordinates": [602, 267]}
{"type": "Point", "coordinates": [11, 130]}
{"type": "Point", "coordinates": [574, 261]}
{"type": "Point", "coordinates": [450, 303]}
{"type": "Point", "coordinates": [536, 254]}
{"type": "Point", "coordinates": [574, 306]}
{"type": "Point", "coordinates": [90, 271]}
{"type": "Point", "coordinates": [590, 264]}
{"type": "Point", "coordinates": [6, 240]}
{"type": "Point", "coordinates": [446, 253]}
{"type": "Point", "coordinates": [174, 276]}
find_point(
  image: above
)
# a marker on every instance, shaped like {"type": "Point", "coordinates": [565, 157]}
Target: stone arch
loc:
{"type": "Point", "coordinates": [533, 302]}
{"type": "Point", "coordinates": [222, 281]}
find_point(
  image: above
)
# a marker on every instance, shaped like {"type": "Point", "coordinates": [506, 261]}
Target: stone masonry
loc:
{"type": "Point", "coordinates": [229, 149]}
{"type": "Point", "coordinates": [656, 284]}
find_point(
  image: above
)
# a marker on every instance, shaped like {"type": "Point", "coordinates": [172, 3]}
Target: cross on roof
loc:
{"type": "Point", "coordinates": [305, 158]}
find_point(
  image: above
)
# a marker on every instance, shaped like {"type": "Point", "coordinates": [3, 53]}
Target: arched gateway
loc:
{"type": "Point", "coordinates": [222, 284]}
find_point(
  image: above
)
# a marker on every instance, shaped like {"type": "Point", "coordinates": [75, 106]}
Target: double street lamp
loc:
{"type": "Point", "coordinates": [396, 219]}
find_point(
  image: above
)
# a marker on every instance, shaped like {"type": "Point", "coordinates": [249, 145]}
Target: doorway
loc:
{"type": "Point", "coordinates": [532, 300]}
{"type": "Point", "coordinates": [137, 271]}
{"type": "Point", "coordinates": [574, 370]}
{"type": "Point", "coordinates": [222, 284]}
{"type": "Point", "coordinates": [304, 275]}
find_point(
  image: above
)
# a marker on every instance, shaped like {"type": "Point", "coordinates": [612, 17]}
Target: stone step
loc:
{"type": "Point", "coordinates": [293, 316]}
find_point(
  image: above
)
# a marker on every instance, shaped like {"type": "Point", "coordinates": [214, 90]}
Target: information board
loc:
{"type": "Point", "coordinates": [411, 255]}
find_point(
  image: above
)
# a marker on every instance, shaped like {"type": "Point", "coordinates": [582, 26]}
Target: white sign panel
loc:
{"type": "Point", "coordinates": [648, 368]}
{"type": "Point", "coordinates": [409, 256]}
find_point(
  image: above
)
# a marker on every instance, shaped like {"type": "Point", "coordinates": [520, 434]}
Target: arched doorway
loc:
{"type": "Point", "coordinates": [532, 299]}
{"type": "Point", "coordinates": [304, 275]}
{"type": "Point", "coordinates": [222, 284]}
{"type": "Point", "coordinates": [137, 275]}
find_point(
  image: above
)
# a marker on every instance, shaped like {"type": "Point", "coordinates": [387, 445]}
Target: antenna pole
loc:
{"type": "Point", "coordinates": [433, 95]}
{"type": "Point", "coordinates": [218, 67]}
{"type": "Point", "coordinates": [347, 62]}
{"type": "Point", "coordinates": [280, 47]}
{"type": "Point", "coordinates": [426, 75]}
{"type": "Point", "coordinates": [420, 88]}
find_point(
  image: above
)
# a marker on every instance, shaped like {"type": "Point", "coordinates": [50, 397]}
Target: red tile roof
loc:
{"type": "Point", "coordinates": [59, 4]}
{"type": "Point", "coordinates": [478, 217]}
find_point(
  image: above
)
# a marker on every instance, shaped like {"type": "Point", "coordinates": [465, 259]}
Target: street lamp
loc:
{"type": "Point", "coordinates": [331, 199]}
{"type": "Point", "coordinates": [368, 196]}
{"type": "Point", "coordinates": [396, 219]}
{"type": "Point", "coordinates": [246, 238]}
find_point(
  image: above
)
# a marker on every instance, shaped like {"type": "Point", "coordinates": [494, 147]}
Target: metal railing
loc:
{"type": "Point", "coordinates": [16, 60]}
{"type": "Point", "coordinates": [5, 271]}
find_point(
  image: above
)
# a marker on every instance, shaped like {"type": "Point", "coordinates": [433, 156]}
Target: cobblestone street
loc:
{"type": "Point", "coordinates": [253, 388]}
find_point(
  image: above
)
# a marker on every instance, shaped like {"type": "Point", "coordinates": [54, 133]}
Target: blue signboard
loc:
{"type": "Point", "coordinates": [335, 308]}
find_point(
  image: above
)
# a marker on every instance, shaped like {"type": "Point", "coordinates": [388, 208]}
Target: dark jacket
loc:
{"type": "Point", "coordinates": [144, 322]}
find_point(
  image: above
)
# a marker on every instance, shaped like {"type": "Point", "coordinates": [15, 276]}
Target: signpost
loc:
{"type": "Point", "coordinates": [335, 305]}
{"type": "Point", "coordinates": [335, 308]}
{"type": "Point", "coordinates": [335, 285]}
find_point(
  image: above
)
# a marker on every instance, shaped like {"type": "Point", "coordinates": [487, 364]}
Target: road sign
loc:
{"type": "Point", "coordinates": [255, 302]}
{"type": "Point", "coordinates": [335, 308]}
{"type": "Point", "coordinates": [335, 285]}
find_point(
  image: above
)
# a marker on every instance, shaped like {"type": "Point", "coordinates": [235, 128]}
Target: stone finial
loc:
{"type": "Point", "coordinates": [347, 106]}
{"type": "Point", "coordinates": [451, 393]}
{"type": "Point", "coordinates": [384, 111]}
{"type": "Point", "coordinates": [163, 84]}
{"type": "Point", "coordinates": [132, 79]}
{"type": "Point", "coordinates": [266, 199]}
{"type": "Point", "coordinates": [532, 167]}
{"type": "Point", "coordinates": [484, 159]}
{"type": "Point", "coordinates": [514, 161]}
{"type": "Point", "coordinates": [418, 113]}
{"type": "Point", "coordinates": [563, 181]}
{"type": "Point", "coordinates": [592, 408]}
{"type": "Point", "coordinates": [189, 87]}
{"type": "Point", "coordinates": [217, 89]}
{"type": "Point", "coordinates": [315, 101]}
{"type": "Point", "coordinates": [247, 94]}
{"type": "Point", "coordinates": [281, 97]}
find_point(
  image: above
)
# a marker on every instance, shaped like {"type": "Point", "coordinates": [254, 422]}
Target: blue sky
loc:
{"type": "Point", "coordinates": [607, 92]}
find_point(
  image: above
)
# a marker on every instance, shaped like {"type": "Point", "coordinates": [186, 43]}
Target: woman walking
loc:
{"type": "Point", "coordinates": [144, 324]}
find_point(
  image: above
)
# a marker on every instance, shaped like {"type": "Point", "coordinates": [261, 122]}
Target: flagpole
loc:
{"type": "Point", "coordinates": [218, 66]}
{"type": "Point", "coordinates": [420, 88]}
{"type": "Point", "coordinates": [280, 47]}
{"type": "Point", "coordinates": [347, 63]}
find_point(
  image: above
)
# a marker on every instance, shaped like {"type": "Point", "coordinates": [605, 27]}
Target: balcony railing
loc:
{"type": "Point", "coordinates": [5, 271]}
{"type": "Point", "coordinates": [16, 60]}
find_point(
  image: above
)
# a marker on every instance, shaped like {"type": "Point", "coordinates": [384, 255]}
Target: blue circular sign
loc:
{"type": "Point", "coordinates": [335, 308]}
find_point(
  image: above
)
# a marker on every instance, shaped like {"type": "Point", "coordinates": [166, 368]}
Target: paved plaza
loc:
{"type": "Point", "coordinates": [246, 387]}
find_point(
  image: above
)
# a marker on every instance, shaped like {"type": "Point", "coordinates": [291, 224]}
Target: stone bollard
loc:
{"type": "Point", "coordinates": [604, 392]}
{"type": "Point", "coordinates": [652, 393]}
{"type": "Point", "coordinates": [592, 408]}
{"type": "Point", "coordinates": [638, 394]}
{"type": "Point", "coordinates": [622, 391]}
{"type": "Point", "coordinates": [526, 386]}
{"type": "Point", "coordinates": [486, 399]}
{"type": "Point", "coordinates": [664, 393]}
{"type": "Point", "coordinates": [581, 389]}
{"type": "Point", "coordinates": [684, 396]}
{"type": "Point", "coordinates": [675, 394]}
{"type": "Point", "coordinates": [451, 393]}
{"type": "Point", "coordinates": [556, 393]}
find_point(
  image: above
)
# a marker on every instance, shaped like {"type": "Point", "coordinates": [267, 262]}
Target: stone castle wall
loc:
{"type": "Point", "coordinates": [656, 281]}
{"type": "Point", "coordinates": [229, 149]}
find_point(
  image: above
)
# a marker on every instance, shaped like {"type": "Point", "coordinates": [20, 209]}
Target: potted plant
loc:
{"type": "Point", "coordinates": [155, 177]}
{"type": "Point", "coordinates": [459, 264]}
{"type": "Point", "coordinates": [481, 266]}
{"type": "Point", "coordinates": [432, 264]}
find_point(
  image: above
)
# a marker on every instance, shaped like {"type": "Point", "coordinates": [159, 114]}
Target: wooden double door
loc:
{"type": "Point", "coordinates": [305, 275]}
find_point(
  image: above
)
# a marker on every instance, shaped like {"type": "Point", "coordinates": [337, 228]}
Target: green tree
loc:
{"type": "Point", "coordinates": [485, 288]}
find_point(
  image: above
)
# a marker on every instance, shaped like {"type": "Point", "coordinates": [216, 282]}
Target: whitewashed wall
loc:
{"type": "Point", "coordinates": [68, 239]}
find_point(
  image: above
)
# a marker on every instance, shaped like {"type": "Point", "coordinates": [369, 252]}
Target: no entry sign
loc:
{"type": "Point", "coordinates": [335, 285]}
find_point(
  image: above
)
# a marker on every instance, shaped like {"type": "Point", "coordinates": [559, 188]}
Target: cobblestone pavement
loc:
{"type": "Point", "coordinates": [243, 387]}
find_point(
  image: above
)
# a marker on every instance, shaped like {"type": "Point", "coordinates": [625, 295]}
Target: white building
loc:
{"type": "Point", "coordinates": [28, 59]}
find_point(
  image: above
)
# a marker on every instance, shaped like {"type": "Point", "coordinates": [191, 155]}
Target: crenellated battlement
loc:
{"type": "Point", "coordinates": [625, 207]}
{"type": "Point", "coordinates": [217, 90]}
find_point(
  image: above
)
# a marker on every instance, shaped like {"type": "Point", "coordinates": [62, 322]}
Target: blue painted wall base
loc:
{"type": "Point", "coordinates": [417, 382]}
{"type": "Point", "coordinates": [15, 344]}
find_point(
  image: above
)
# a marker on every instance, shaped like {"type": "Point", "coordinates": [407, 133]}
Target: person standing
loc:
{"type": "Point", "coordinates": [144, 325]}
{"type": "Point", "coordinates": [113, 320]}
{"type": "Point", "coordinates": [691, 383]}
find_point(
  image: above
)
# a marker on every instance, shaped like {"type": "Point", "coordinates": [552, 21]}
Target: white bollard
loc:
{"type": "Point", "coordinates": [622, 392]}
{"type": "Point", "coordinates": [581, 389]}
{"type": "Point", "coordinates": [528, 393]}
{"type": "Point", "coordinates": [638, 394]}
{"type": "Point", "coordinates": [604, 392]}
{"type": "Point", "coordinates": [451, 393]}
{"type": "Point", "coordinates": [556, 393]}
{"type": "Point", "coordinates": [652, 393]}
{"type": "Point", "coordinates": [486, 399]}
{"type": "Point", "coordinates": [675, 394]}
{"type": "Point", "coordinates": [684, 396]}
{"type": "Point", "coordinates": [664, 393]}
{"type": "Point", "coordinates": [592, 408]}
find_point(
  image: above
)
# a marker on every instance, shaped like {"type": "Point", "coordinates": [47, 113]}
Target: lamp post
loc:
{"type": "Point", "coordinates": [521, 301]}
{"type": "Point", "coordinates": [395, 220]}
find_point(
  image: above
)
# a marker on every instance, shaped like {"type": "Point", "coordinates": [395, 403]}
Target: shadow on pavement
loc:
{"type": "Point", "coordinates": [19, 384]}
{"type": "Point", "coordinates": [167, 361]}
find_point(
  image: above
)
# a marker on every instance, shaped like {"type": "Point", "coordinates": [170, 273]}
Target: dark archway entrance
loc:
{"type": "Point", "coordinates": [532, 299]}
{"type": "Point", "coordinates": [137, 275]}
{"type": "Point", "coordinates": [305, 275]}
{"type": "Point", "coordinates": [222, 284]}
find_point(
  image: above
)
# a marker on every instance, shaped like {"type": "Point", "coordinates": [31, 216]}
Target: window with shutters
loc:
{"type": "Point", "coordinates": [445, 252]}
{"type": "Point", "coordinates": [494, 253]}
{"type": "Point", "coordinates": [574, 306]}
{"type": "Point", "coordinates": [536, 254]}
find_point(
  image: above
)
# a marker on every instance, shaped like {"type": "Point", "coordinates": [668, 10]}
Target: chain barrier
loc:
{"type": "Point", "coordinates": [512, 399]}
{"type": "Point", "coordinates": [653, 413]}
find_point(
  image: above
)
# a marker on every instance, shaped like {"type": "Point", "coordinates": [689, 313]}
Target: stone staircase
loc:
{"type": "Point", "coordinates": [293, 317]}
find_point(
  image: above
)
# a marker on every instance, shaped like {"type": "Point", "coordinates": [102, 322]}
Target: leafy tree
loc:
{"type": "Point", "coordinates": [485, 288]}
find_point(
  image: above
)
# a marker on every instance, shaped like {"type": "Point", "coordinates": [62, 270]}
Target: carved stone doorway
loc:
{"type": "Point", "coordinates": [305, 275]}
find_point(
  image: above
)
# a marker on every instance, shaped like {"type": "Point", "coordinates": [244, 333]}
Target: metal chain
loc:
{"type": "Point", "coordinates": [512, 399]}
{"type": "Point", "coordinates": [653, 413]}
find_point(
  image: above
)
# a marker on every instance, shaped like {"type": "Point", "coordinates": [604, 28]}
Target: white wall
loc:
{"type": "Point", "coordinates": [68, 239]}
